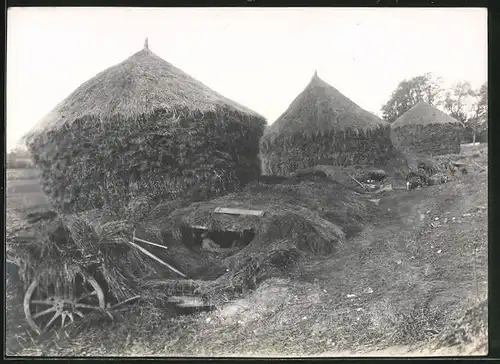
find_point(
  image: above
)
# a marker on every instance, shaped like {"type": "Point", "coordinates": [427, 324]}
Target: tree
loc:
{"type": "Point", "coordinates": [459, 102]}
{"type": "Point", "coordinates": [424, 88]}
{"type": "Point", "coordinates": [468, 106]}
{"type": "Point", "coordinates": [482, 103]}
{"type": "Point", "coordinates": [479, 123]}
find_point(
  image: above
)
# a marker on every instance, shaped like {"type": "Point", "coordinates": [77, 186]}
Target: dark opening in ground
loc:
{"type": "Point", "coordinates": [193, 238]}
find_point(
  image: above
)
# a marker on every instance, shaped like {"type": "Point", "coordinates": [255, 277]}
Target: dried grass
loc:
{"type": "Point", "coordinates": [322, 126]}
{"type": "Point", "coordinates": [143, 128]}
{"type": "Point", "coordinates": [472, 327]}
{"type": "Point", "coordinates": [136, 88]}
{"type": "Point", "coordinates": [425, 129]}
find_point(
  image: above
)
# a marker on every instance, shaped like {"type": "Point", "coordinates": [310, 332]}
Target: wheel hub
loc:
{"type": "Point", "coordinates": [68, 307]}
{"type": "Point", "coordinates": [63, 305]}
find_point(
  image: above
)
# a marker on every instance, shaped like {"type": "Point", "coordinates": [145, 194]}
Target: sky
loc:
{"type": "Point", "coordinates": [261, 58]}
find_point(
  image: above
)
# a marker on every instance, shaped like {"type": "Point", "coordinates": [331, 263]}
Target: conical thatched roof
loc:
{"type": "Point", "coordinates": [424, 114]}
{"type": "Point", "coordinates": [137, 87]}
{"type": "Point", "coordinates": [144, 128]}
{"type": "Point", "coordinates": [320, 108]}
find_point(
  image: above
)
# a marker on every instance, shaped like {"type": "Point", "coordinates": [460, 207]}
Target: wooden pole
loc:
{"type": "Point", "coordinates": [151, 255]}
{"type": "Point", "coordinates": [124, 302]}
{"type": "Point", "coordinates": [477, 164]}
{"type": "Point", "coordinates": [150, 243]}
{"type": "Point", "coordinates": [355, 180]}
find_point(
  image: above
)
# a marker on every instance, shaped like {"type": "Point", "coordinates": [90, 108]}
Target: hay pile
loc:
{"type": "Point", "coordinates": [444, 168]}
{"type": "Point", "coordinates": [303, 217]}
{"type": "Point", "coordinates": [143, 127]}
{"type": "Point", "coordinates": [426, 130]}
{"type": "Point", "coordinates": [322, 126]}
{"type": "Point", "coordinates": [56, 248]}
{"type": "Point", "coordinates": [349, 177]}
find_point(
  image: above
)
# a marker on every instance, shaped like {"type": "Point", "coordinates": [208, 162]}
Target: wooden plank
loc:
{"type": "Point", "coordinates": [192, 304]}
{"type": "Point", "coordinates": [187, 301]}
{"type": "Point", "coordinates": [151, 255]}
{"type": "Point", "coordinates": [236, 211]}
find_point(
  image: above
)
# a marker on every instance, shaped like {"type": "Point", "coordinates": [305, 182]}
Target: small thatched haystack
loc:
{"type": "Point", "coordinates": [322, 126]}
{"type": "Point", "coordinates": [144, 127]}
{"type": "Point", "coordinates": [426, 130]}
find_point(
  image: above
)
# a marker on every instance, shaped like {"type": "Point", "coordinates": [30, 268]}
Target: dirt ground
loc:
{"type": "Point", "coordinates": [396, 289]}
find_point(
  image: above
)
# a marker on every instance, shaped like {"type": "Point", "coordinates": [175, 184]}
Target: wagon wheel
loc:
{"type": "Point", "coordinates": [50, 308]}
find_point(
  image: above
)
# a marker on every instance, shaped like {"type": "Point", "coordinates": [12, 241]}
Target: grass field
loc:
{"type": "Point", "coordinates": [398, 288]}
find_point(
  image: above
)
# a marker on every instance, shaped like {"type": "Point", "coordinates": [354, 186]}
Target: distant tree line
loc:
{"type": "Point", "coordinates": [461, 102]}
{"type": "Point", "coordinates": [19, 158]}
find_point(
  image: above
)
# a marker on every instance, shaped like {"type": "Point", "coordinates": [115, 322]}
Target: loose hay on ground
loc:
{"type": "Point", "coordinates": [301, 217]}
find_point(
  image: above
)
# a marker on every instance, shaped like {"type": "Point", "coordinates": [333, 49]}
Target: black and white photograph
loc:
{"type": "Point", "coordinates": [246, 182]}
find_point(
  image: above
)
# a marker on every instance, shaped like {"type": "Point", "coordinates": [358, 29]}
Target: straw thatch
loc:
{"type": "Point", "coordinates": [426, 130]}
{"type": "Point", "coordinates": [302, 216]}
{"type": "Point", "coordinates": [144, 127]}
{"type": "Point", "coordinates": [56, 248]}
{"type": "Point", "coordinates": [322, 126]}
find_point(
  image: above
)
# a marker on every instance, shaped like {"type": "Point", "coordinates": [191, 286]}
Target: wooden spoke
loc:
{"type": "Point", "coordinates": [47, 311]}
{"type": "Point", "coordinates": [87, 295]}
{"type": "Point", "coordinates": [42, 302]}
{"type": "Point", "coordinates": [63, 318]}
{"type": "Point", "coordinates": [52, 320]}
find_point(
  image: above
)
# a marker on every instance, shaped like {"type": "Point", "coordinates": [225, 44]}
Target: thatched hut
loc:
{"type": "Point", "coordinates": [322, 126]}
{"type": "Point", "coordinates": [144, 127]}
{"type": "Point", "coordinates": [427, 130]}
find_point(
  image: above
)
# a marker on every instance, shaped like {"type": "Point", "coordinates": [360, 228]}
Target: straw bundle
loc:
{"type": "Point", "coordinates": [144, 128]}
{"type": "Point", "coordinates": [426, 130]}
{"type": "Point", "coordinates": [44, 251]}
{"type": "Point", "coordinates": [322, 126]}
{"type": "Point", "coordinates": [57, 248]}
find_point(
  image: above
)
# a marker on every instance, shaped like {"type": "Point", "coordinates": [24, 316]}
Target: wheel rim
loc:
{"type": "Point", "coordinates": [45, 310]}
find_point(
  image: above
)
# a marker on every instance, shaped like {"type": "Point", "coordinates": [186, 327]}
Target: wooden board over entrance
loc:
{"type": "Point", "coordinates": [233, 211]}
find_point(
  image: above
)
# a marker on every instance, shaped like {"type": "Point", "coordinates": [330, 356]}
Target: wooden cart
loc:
{"type": "Point", "coordinates": [49, 306]}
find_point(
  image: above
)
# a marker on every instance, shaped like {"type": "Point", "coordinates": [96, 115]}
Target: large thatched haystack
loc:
{"type": "Point", "coordinates": [427, 130]}
{"type": "Point", "coordinates": [322, 126]}
{"type": "Point", "coordinates": [144, 127]}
